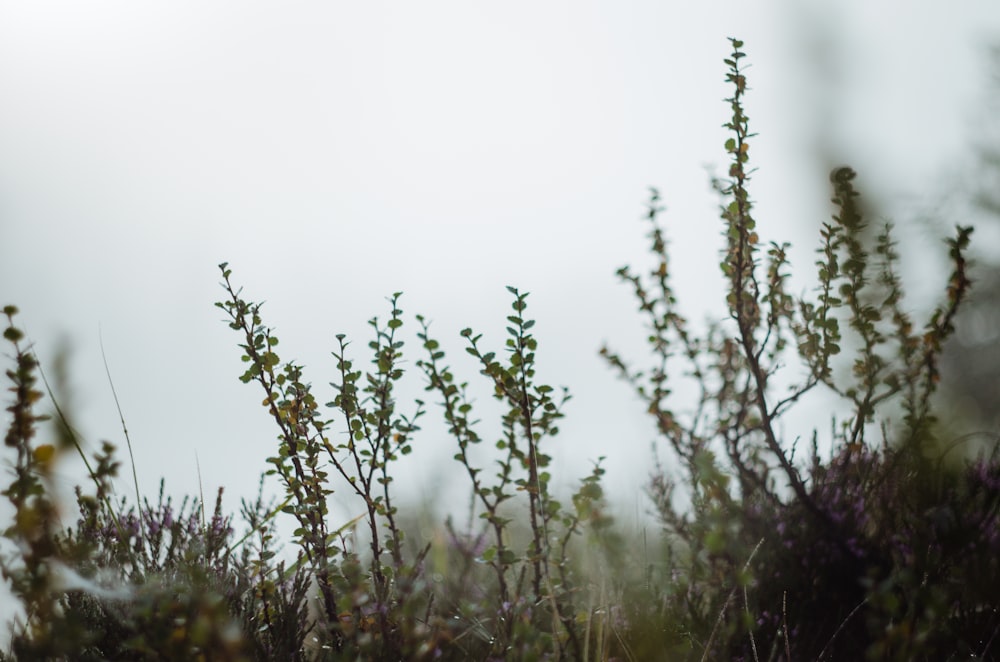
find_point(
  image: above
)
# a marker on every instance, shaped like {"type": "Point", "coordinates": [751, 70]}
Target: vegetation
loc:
{"type": "Point", "coordinates": [883, 548]}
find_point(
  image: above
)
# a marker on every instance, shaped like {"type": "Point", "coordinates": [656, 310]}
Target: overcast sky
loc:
{"type": "Point", "coordinates": [336, 152]}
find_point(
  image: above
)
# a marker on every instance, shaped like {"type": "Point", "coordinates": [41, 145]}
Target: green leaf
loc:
{"type": "Point", "coordinates": [715, 542]}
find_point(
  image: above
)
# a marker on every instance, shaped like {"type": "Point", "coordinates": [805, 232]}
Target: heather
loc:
{"type": "Point", "coordinates": [879, 543]}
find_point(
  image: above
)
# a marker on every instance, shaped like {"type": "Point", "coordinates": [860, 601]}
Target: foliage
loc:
{"type": "Point", "coordinates": [970, 363]}
{"type": "Point", "coordinates": [878, 548]}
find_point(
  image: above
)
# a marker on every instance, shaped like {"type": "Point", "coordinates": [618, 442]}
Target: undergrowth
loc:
{"type": "Point", "coordinates": [880, 548]}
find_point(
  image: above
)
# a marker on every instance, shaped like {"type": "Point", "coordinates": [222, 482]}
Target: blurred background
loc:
{"type": "Point", "coordinates": [334, 153]}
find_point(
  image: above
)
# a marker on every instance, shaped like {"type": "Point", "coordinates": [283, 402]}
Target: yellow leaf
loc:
{"type": "Point", "coordinates": [44, 453]}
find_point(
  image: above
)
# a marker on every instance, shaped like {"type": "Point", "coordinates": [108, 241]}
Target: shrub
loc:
{"type": "Point", "coordinates": [877, 549]}
{"type": "Point", "coordinates": [864, 553]}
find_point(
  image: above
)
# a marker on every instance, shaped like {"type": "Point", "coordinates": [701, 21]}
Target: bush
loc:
{"type": "Point", "coordinates": [878, 549]}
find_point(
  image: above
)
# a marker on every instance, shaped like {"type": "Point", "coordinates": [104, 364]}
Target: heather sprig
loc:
{"type": "Point", "coordinates": [543, 572]}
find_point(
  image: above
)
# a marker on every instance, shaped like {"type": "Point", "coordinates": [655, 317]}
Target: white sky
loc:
{"type": "Point", "coordinates": [336, 152]}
